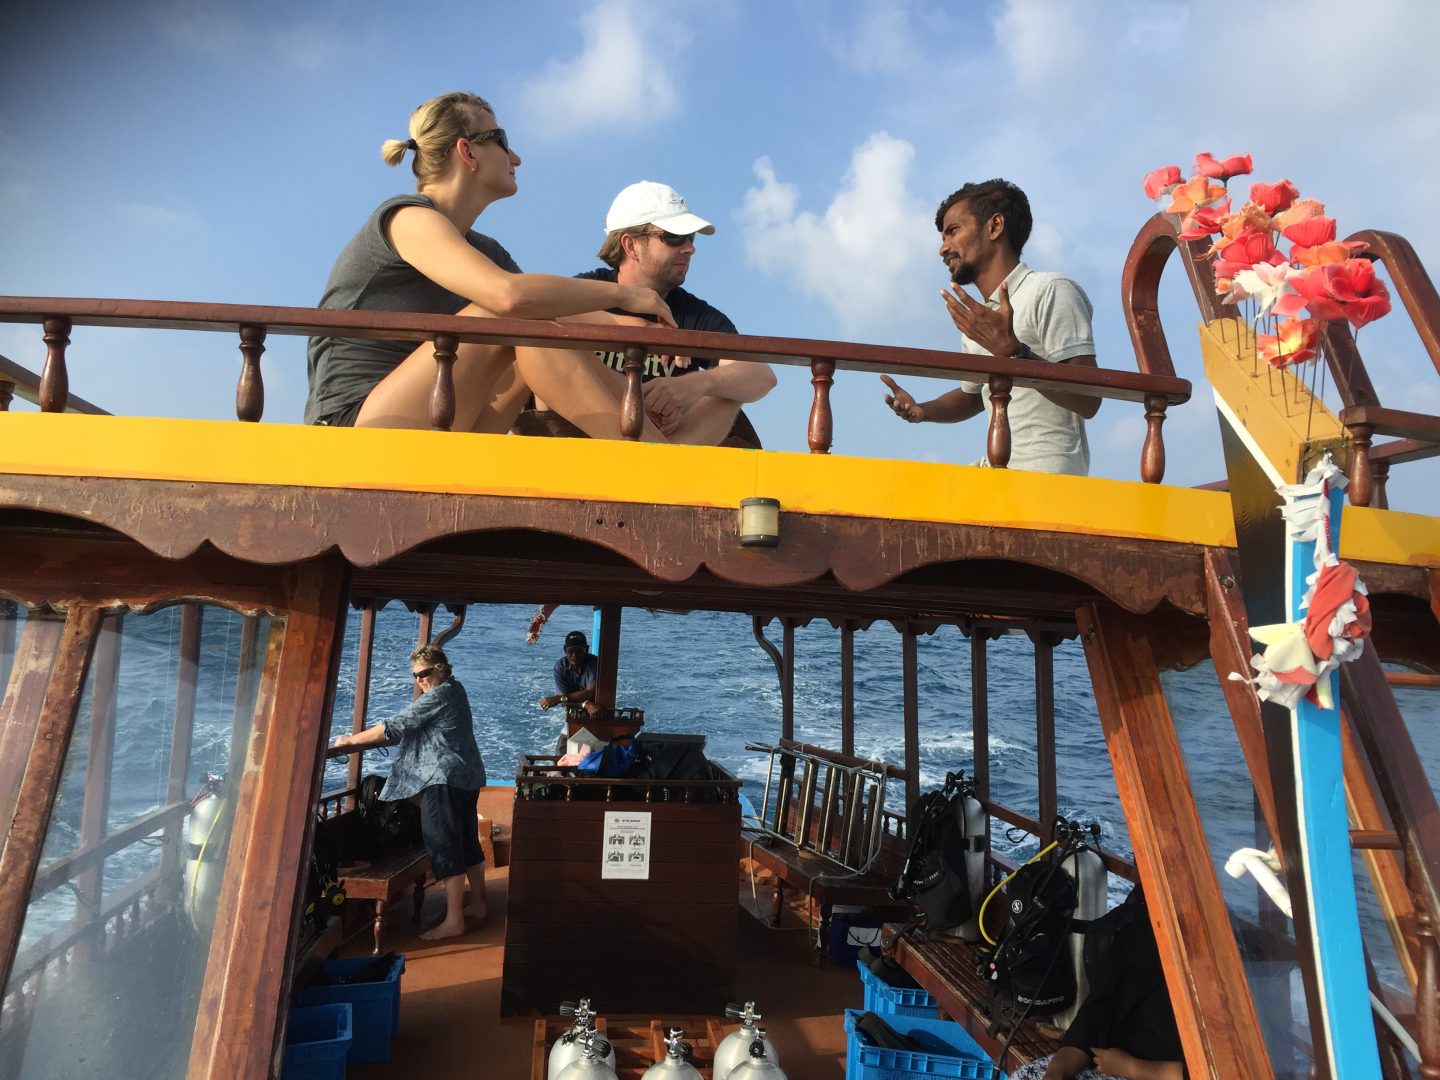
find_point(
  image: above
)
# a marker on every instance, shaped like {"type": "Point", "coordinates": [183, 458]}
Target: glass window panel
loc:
{"type": "Point", "coordinates": [117, 931]}
{"type": "Point", "coordinates": [12, 622]}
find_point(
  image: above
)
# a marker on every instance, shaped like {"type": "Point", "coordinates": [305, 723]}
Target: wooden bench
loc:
{"type": "Point", "coordinates": [384, 879]}
{"type": "Point", "coordinates": [949, 969]}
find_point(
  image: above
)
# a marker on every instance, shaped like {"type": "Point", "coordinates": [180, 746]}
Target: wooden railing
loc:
{"type": "Point", "coordinates": [17, 381]}
{"type": "Point", "coordinates": [252, 325]}
{"type": "Point", "coordinates": [1416, 435]}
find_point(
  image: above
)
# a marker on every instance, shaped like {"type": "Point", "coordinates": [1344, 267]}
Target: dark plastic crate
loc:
{"type": "Point", "coordinates": [376, 1005]}
{"type": "Point", "coordinates": [950, 1052]}
{"type": "Point", "coordinates": [882, 998]}
{"type": "Point", "coordinates": [317, 1039]}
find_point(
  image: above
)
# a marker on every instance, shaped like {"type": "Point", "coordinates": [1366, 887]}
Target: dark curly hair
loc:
{"type": "Point", "coordinates": [989, 198]}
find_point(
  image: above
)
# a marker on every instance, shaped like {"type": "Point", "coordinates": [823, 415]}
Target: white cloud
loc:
{"type": "Point", "coordinates": [614, 83]}
{"type": "Point", "coordinates": [870, 257]}
{"type": "Point", "coordinates": [210, 28]}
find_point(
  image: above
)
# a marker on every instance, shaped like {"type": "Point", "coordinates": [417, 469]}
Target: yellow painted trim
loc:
{"type": "Point", "coordinates": [293, 455]}
{"type": "Point", "coordinates": [1278, 412]}
{"type": "Point", "coordinates": [1389, 536]}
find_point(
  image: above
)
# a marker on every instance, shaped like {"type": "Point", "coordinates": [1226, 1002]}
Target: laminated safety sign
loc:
{"type": "Point", "coordinates": [626, 851]}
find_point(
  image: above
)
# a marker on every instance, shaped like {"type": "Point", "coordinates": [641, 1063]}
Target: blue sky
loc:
{"type": "Point", "coordinates": [226, 152]}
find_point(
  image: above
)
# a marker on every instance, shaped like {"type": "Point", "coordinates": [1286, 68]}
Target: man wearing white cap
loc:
{"type": "Point", "coordinates": [649, 241]}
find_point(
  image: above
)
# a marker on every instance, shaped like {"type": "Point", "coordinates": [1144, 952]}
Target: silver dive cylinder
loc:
{"type": "Point", "coordinates": [567, 1047]}
{"type": "Point", "coordinates": [675, 1065]}
{"type": "Point", "coordinates": [596, 1060]}
{"type": "Point", "coordinates": [735, 1047]}
{"type": "Point", "coordinates": [1092, 884]}
{"type": "Point", "coordinates": [977, 833]}
{"type": "Point", "coordinates": [758, 1064]}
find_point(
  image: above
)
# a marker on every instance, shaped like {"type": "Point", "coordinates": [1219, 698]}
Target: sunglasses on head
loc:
{"type": "Point", "coordinates": [423, 673]}
{"type": "Point", "coordinates": [493, 135]}
{"type": "Point", "coordinates": [670, 239]}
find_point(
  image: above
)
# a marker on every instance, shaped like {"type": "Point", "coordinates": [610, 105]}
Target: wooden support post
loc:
{"type": "Point", "coordinates": [442, 397]}
{"type": "Point", "coordinates": [997, 442]}
{"type": "Point", "coordinates": [182, 730]}
{"type": "Point", "coordinates": [821, 430]}
{"type": "Point", "coordinates": [54, 392]}
{"type": "Point", "coordinates": [632, 401]}
{"type": "Point", "coordinates": [364, 656]}
{"type": "Point", "coordinates": [980, 711]}
{"type": "Point", "coordinates": [1379, 478]}
{"type": "Point", "coordinates": [847, 687]}
{"type": "Point", "coordinates": [23, 827]}
{"type": "Point", "coordinates": [1047, 790]}
{"type": "Point", "coordinates": [787, 680]}
{"type": "Point", "coordinates": [250, 392]}
{"type": "Point", "coordinates": [607, 671]}
{"type": "Point", "coordinates": [95, 807]}
{"type": "Point", "coordinates": [7, 394]}
{"type": "Point", "coordinates": [1361, 435]}
{"type": "Point", "coordinates": [1427, 997]}
{"type": "Point", "coordinates": [1216, 1016]}
{"type": "Point", "coordinates": [911, 679]}
{"type": "Point", "coordinates": [1152, 454]}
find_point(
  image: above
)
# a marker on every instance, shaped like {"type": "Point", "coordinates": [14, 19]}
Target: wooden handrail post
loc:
{"type": "Point", "coordinates": [442, 398]}
{"type": "Point", "coordinates": [1361, 436]}
{"type": "Point", "coordinates": [7, 394]}
{"type": "Point", "coordinates": [632, 402]}
{"type": "Point", "coordinates": [821, 432]}
{"type": "Point", "coordinates": [250, 392]}
{"type": "Point", "coordinates": [1379, 476]}
{"type": "Point", "coordinates": [997, 443]}
{"type": "Point", "coordinates": [1152, 455]}
{"type": "Point", "coordinates": [54, 379]}
{"type": "Point", "coordinates": [1427, 996]}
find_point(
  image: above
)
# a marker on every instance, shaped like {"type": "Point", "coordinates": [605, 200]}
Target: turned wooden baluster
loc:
{"type": "Point", "coordinates": [54, 379]}
{"type": "Point", "coordinates": [442, 398]}
{"type": "Point", "coordinates": [1361, 436]}
{"type": "Point", "coordinates": [632, 402]}
{"type": "Point", "coordinates": [7, 393]}
{"type": "Point", "coordinates": [997, 442]}
{"type": "Point", "coordinates": [1427, 996]}
{"type": "Point", "coordinates": [1379, 476]}
{"type": "Point", "coordinates": [821, 431]}
{"type": "Point", "coordinates": [1152, 454]}
{"type": "Point", "coordinates": [250, 391]}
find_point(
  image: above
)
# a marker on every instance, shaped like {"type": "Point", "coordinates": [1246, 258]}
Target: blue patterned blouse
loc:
{"type": "Point", "coordinates": [437, 744]}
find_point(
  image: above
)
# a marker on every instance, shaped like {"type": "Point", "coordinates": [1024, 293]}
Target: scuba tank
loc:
{"type": "Point", "coordinates": [734, 1049]}
{"type": "Point", "coordinates": [675, 1065]}
{"type": "Point", "coordinates": [977, 830]}
{"type": "Point", "coordinates": [567, 1048]}
{"type": "Point", "coordinates": [595, 1061]}
{"type": "Point", "coordinates": [758, 1064]}
{"type": "Point", "coordinates": [204, 852]}
{"type": "Point", "coordinates": [1085, 866]}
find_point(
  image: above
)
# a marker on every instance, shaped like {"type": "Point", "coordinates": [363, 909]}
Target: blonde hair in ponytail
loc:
{"type": "Point", "coordinates": [434, 127]}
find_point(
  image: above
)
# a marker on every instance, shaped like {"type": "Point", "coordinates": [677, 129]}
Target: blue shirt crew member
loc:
{"type": "Point", "coordinates": [575, 673]}
{"type": "Point", "coordinates": [439, 762]}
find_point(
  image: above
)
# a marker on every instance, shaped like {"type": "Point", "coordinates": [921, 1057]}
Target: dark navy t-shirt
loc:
{"type": "Point", "coordinates": [568, 680]}
{"type": "Point", "coordinates": [691, 313]}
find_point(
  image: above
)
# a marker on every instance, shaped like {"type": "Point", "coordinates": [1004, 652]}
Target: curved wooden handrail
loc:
{"type": "Point", "coordinates": [252, 324]}
{"type": "Point", "coordinates": [1411, 281]}
{"type": "Point", "coordinates": [1157, 240]}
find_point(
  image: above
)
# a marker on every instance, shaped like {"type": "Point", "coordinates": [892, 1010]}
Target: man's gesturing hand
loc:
{"type": "Point", "coordinates": [990, 328]}
{"type": "Point", "coordinates": [901, 403]}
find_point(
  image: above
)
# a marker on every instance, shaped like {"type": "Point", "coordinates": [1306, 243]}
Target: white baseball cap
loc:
{"type": "Point", "coordinates": [649, 203]}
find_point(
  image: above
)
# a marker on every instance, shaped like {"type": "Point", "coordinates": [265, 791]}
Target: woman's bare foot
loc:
{"type": "Point", "coordinates": [479, 914]}
{"type": "Point", "coordinates": [444, 930]}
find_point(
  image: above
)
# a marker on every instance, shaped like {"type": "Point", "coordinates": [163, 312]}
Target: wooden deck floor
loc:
{"type": "Point", "coordinates": [450, 1022]}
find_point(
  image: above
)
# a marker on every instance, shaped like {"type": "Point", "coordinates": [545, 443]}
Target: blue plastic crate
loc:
{"type": "Point", "coordinates": [881, 997]}
{"type": "Point", "coordinates": [316, 1042]}
{"type": "Point", "coordinates": [950, 1052]}
{"type": "Point", "coordinates": [376, 1004]}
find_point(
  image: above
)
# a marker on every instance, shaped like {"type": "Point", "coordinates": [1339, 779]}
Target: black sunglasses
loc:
{"type": "Point", "coordinates": [494, 134]}
{"type": "Point", "coordinates": [423, 673]}
{"type": "Point", "coordinates": [670, 239]}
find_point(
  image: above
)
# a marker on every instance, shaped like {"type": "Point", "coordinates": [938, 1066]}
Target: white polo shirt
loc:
{"type": "Point", "coordinates": [1052, 316]}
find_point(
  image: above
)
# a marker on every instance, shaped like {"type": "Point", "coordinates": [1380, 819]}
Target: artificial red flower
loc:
{"type": "Point", "coordinates": [1239, 165]}
{"type": "Point", "coordinates": [1299, 210]}
{"type": "Point", "coordinates": [1311, 231]}
{"type": "Point", "coordinates": [1249, 218]}
{"type": "Point", "coordinates": [1292, 343]}
{"type": "Point", "coordinates": [1349, 290]}
{"type": "Point", "coordinates": [1203, 220]}
{"type": "Point", "coordinates": [1162, 178]}
{"type": "Point", "coordinates": [1195, 192]}
{"type": "Point", "coordinates": [1272, 198]}
{"type": "Point", "coordinates": [1250, 246]}
{"type": "Point", "coordinates": [1335, 586]}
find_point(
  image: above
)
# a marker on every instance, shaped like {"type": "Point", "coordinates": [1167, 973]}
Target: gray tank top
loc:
{"type": "Point", "coordinates": [370, 276]}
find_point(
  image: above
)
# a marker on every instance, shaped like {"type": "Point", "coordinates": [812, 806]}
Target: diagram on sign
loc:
{"type": "Point", "coordinates": [625, 852]}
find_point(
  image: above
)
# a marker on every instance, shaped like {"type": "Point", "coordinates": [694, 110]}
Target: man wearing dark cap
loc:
{"type": "Point", "coordinates": [574, 673]}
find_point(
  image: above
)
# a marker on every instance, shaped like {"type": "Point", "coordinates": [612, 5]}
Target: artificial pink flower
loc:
{"type": "Point", "coordinates": [1239, 165]}
{"type": "Point", "coordinates": [1196, 192]}
{"type": "Point", "coordinates": [1272, 198]}
{"type": "Point", "coordinates": [1311, 231]}
{"type": "Point", "coordinates": [1299, 210]}
{"type": "Point", "coordinates": [1335, 586]}
{"type": "Point", "coordinates": [1203, 220]}
{"type": "Point", "coordinates": [1164, 177]}
{"type": "Point", "coordinates": [1249, 218]}
{"type": "Point", "coordinates": [1349, 290]}
{"type": "Point", "coordinates": [1250, 246]}
{"type": "Point", "coordinates": [1292, 343]}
